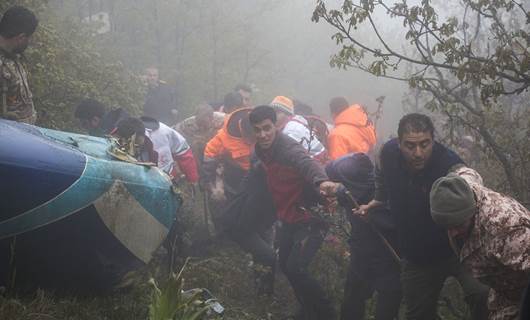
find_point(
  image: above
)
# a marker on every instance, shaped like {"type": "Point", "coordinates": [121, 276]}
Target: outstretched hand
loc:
{"type": "Point", "coordinates": [361, 211]}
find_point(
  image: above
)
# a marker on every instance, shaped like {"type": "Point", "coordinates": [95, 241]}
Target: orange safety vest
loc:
{"type": "Point", "coordinates": [223, 144]}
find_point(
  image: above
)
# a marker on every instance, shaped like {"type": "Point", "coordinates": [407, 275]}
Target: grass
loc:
{"type": "Point", "coordinates": [218, 265]}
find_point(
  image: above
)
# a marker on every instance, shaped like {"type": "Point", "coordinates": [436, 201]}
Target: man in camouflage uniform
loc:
{"type": "Point", "coordinates": [490, 232]}
{"type": "Point", "coordinates": [16, 29]}
{"type": "Point", "coordinates": [200, 128]}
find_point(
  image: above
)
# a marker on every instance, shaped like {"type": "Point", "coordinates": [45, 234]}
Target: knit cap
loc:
{"type": "Point", "coordinates": [452, 201]}
{"type": "Point", "coordinates": [283, 103]}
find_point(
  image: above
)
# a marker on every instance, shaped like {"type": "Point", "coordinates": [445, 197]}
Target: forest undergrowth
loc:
{"type": "Point", "coordinates": [214, 263]}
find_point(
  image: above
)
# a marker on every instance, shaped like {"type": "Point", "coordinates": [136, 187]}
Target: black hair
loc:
{"type": "Point", "coordinates": [338, 104]}
{"type": "Point", "coordinates": [302, 108]}
{"type": "Point", "coordinates": [18, 20]}
{"type": "Point", "coordinates": [415, 122]}
{"type": "Point", "coordinates": [129, 126]}
{"type": "Point", "coordinates": [89, 108]}
{"type": "Point", "coordinates": [232, 101]}
{"type": "Point", "coordinates": [261, 113]}
{"type": "Point", "coordinates": [243, 87]}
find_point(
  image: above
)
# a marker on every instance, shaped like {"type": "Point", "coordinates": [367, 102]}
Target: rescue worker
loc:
{"type": "Point", "coordinates": [132, 139]}
{"type": "Point", "coordinates": [161, 102]}
{"type": "Point", "coordinates": [491, 234]}
{"type": "Point", "coordinates": [16, 29]}
{"type": "Point", "coordinates": [296, 127]}
{"type": "Point", "coordinates": [175, 156]}
{"type": "Point", "coordinates": [203, 125]}
{"type": "Point", "coordinates": [353, 131]}
{"type": "Point", "coordinates": [230, 147]}
{"type": "Point", "coordinates": [408, 166]}
{"type": "Point", "coordinates": [374, 266]}
{"type": "Point", "coordinates": [93, 117]}
{"type": "Point", "coordinates": [294, 180]}
{"type": "Point", "coordinates": [200, 128]}
{"type": "Point", "coordinates": [149, 140]}
{"type": "Point", "coordinates": [246, 92]}
{"type": "Point", "coordinates": [249, 217]}
{"type": "Point", "coordinates": [302, 108]}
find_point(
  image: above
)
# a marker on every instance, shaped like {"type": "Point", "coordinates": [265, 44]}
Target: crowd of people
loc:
{"type": "Point", "coordinates": [418, 215]}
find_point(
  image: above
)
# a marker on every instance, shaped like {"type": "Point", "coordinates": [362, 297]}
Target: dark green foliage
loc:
{"type": "Point", "coordinates": [171, 303]}
{"type": "Point", "coordinates": [67, 65]}
{"type": "Point", "coordinates": [465, 62]}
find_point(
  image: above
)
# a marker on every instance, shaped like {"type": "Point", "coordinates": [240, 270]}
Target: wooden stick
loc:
{"type": "Point", "coordinates": [377, 232]}
{"type": "Point", "coordinates": [206, 212]}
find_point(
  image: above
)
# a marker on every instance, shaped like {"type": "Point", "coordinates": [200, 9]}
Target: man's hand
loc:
{"type": "Point", "coordinates": [362, 210]}
{"type": "Point", "coordinates": [217, 191]}
{"type": "Point", "coordinates": [329, 188]}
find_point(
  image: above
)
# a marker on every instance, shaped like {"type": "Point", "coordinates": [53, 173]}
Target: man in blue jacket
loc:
{"type": "Point", "coordinates": [408, 166]}
{"type": "Point", "coordinates": [374, 265]}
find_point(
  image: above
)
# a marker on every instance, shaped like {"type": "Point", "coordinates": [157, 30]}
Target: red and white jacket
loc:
{"type": "Point", "coordinates": [174, 153]}
{"type": "Point", "coordinates": [292, 177]}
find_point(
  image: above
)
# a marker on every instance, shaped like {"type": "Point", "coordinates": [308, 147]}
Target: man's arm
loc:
{"type": "Point", "coordinates": [380, 196]}
{"type": "Point", "coordinates": [212, 152]}
{"type": "Point", "coordinates": [512, 249]}
{"type": "Point", "coordinates": [310, 169]}
{"type": "Point", "coordinates": [188, 165]}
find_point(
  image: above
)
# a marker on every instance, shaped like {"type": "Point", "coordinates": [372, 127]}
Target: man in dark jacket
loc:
{"type": "Point", "coordinates": [374, 265]}
{"type": "Point", "coordinates": [94, 118]}
{"type": "Point", "coordinates": [294, 180]}
{"type": "Point", "coordinates": [408, 167]}
{"type": "Point", "coordinates": [247, 219]}
{"type": "Point", "coordinates": [161, 100]}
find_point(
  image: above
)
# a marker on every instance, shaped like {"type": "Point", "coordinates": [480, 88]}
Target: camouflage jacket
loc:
{"type": "Point", "coordinates": [188, 128]}
{"type": "Point", "coordinates": [16, 97]}
{"type": "Point", "coordinates": [497, 250]}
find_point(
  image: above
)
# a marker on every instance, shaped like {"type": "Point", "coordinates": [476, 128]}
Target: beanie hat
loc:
{"type": "Point", "coordinates": [283, 104]}
{"type": "Point", "coordinates": [356, 172]}
{"type": "Point", "coordinates": [452, 201]}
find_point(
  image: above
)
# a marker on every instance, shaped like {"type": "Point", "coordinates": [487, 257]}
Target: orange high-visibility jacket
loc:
{"type": "Point", "coordinates": [223, 145]}
{"type": "Point", "coordinates": [353, 132]}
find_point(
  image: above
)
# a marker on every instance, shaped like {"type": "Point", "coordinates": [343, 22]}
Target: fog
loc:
{"type": "Point", "coordinates": [207, 47]}
{"type": "Point", "coordinates": [307, 74]}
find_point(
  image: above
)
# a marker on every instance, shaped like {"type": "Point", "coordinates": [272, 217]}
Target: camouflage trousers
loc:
{"type": "Point", "coordinates": [29, 120]}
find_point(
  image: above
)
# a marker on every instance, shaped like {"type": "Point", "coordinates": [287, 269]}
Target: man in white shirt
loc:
{"type": "Point", "coordinates": [174, 154]}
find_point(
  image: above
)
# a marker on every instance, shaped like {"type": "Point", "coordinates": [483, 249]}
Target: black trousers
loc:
{"type": "Point", "coordinates": [259, 245]}
{"type": "Point", "coordinates": [298, 245]}
{"type": "Point", "coordinates": [422, 285]}
{"type": "Point", "coordinates": [366, 277]}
